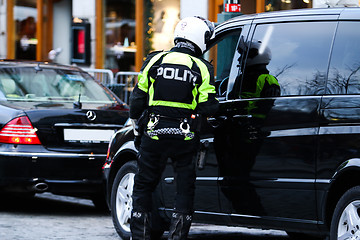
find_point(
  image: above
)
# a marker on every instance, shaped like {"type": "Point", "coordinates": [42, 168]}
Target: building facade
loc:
{"type": "Point", "coordinates": [112, 34]}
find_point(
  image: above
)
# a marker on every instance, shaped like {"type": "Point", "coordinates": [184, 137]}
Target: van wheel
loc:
{"type": "Point", "coordinates": [121, 201]}
{"type": "Point", "coordinates": [345, 223]}
{"type": "Point", "coordinates": [121, 204]}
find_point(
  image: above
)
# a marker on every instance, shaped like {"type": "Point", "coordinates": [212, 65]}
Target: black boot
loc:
{"type": "Point", "coordinates": [140, 226]}
{"type": "Point", "coordinates": [180, 226]}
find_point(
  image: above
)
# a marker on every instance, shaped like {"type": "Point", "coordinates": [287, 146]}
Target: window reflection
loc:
{"type": "Point", "coordinates": [258, 82]}
{"type": "Point", "coordinates": [298, 61]}
{"type": "Point", "coordinates": [344, 74]}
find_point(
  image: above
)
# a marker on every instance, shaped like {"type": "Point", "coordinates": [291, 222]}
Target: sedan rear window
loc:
{"type": "Point", "coordinates": [60, 85]}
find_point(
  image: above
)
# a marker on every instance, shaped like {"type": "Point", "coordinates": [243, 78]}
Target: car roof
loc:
{"type": "Point", "coordinates": [26, 63]}
{"type": "Point", "coordinates": [301, 12]}
{"type": "Point", "coordinates": [333, 13]}
{"type": "Point", "coordinates": [284, 13]}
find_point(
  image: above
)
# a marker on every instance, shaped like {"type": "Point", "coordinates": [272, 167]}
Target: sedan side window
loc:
{"type": "Point", "coordinates": [287, 59]}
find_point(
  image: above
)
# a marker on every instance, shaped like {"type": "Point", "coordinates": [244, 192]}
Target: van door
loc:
{"type": "Point", "coordinates": [340, 125]}
{"type": "Point", "coordinates": [206, 203]}
{"type": "Point", "coordinates": [266, 146]}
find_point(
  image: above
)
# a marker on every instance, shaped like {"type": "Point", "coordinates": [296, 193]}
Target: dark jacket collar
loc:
{"type": "Point", "coordinates": [184, 49]}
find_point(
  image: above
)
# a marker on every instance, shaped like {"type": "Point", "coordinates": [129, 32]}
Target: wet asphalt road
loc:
{"type": "Point", "coordinates": [51, 217]}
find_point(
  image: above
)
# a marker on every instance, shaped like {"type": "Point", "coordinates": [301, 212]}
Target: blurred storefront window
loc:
{"type": "Point", "coordinates": [120, 35]}
{"type": "Point", "coordinates": [161, 17]}
{"type": "Point", "coordinates": [166, 16]}
{"type": "Point", "coordinates": [276, 5]}
{"type": "Point", "coordinates": [25, 17]}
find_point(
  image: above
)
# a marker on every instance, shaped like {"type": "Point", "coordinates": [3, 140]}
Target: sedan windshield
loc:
{"type": "Point", "coordinates": [29, 84]}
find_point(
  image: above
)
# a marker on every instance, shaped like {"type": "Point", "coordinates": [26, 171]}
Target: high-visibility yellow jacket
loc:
{"type": "Point", "coordinates": [174, 84]}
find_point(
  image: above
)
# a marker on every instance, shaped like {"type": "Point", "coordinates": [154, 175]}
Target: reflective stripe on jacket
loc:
{"type": "Point", "coordinates": [175, 79]}
{"type": "Point", "coordinates": [260, 83]}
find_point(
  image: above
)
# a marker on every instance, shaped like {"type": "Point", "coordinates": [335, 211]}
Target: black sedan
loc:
{"type": "Point", "coordinates": [55, 125]}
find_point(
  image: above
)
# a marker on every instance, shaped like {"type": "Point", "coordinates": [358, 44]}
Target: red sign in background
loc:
{"type": "Point", "coordinates": [232, 7]}
{"type": "Point", "coordinates": [81, 41]}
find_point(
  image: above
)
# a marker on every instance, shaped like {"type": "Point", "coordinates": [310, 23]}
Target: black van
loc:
{"type": "Point", "coordinates": [283, 152]}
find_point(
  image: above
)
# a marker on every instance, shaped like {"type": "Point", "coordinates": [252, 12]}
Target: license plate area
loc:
{"type": "Point", "coordinates": [88, 135]}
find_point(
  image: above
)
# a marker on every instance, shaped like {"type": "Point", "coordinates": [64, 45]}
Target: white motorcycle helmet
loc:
{"type": "Point", "coordinates": [196, 30]}
{"type": "Point", "coordinates": [258, 54]}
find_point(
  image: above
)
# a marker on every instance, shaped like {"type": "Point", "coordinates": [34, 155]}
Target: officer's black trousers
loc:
{"type": "Point", "coordinates": [152, 160]}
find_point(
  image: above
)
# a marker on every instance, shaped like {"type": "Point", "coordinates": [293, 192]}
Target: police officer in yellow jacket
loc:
{"type": "Point", "coordinates": [258, 82]}
{"type": "Point", "coordinates": [174, 91]}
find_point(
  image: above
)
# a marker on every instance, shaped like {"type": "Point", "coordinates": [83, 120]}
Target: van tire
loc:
{"type": "Point", "coordinates": [348, 205]}
{"type": "Point", "coordinates": [125, 180]}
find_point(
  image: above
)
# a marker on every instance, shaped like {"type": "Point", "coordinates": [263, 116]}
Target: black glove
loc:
{"type": "Point", "coordinates": [137, 131]}
{"type": "Point", "coordinates": [137, 142]}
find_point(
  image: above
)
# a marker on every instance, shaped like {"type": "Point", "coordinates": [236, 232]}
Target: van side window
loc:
{"type": "Point", "coordinates": [287, 59]}
{"type": "Point", "coordinates": [222, 55]}
{"type": "Point", "coordinates": [344, 71]}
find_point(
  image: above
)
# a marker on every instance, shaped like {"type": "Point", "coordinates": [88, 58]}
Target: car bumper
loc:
{"type": "Point", "coordinates": [22, 167]}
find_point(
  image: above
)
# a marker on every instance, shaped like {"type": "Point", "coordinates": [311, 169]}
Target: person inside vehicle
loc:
{"type": "Point", "coordinates": [174, 91]}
